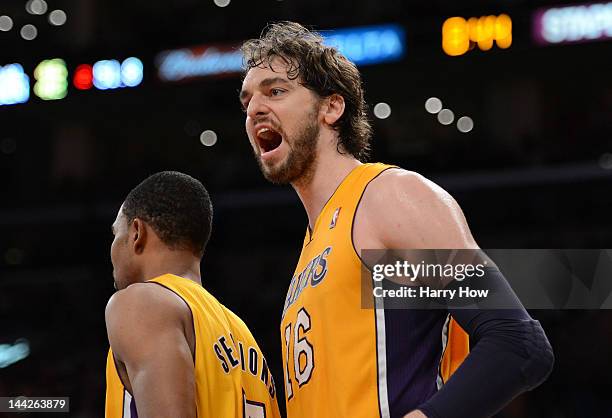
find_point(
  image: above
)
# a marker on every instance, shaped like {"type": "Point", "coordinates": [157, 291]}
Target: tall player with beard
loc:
{"type": "Point", "coordinates": [307, 124]}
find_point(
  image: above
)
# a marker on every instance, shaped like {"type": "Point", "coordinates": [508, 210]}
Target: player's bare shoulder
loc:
{"type": "Point", "coordinates": [144, 306]}
{"type": "Point", "coordinates": [149, 298]}
{"type": "Point", "coordinates": [405, 187]}
{"type": "Point", "coordinates": [403, 209]}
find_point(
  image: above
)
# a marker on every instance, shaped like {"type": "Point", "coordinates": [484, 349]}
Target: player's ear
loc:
{"type": "Point", "coordinates": [138, 235]}
{"type": "Point", "coordinates": [333, 108]}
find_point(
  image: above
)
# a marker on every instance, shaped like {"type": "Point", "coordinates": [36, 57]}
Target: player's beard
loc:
{"type": "Point", "coordinates": [300, 162]}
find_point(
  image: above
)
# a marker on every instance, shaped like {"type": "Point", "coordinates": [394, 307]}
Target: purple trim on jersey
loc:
{"type": "Point", "coordinates": [133, 411]}
{"type": "Point", "coordinates": [414, 347]}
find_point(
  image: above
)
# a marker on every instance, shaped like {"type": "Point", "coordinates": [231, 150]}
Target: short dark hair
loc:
{"type": "Point", "coordinates": [176, 206]}
{"type": "Point", "coordinates": [321, 69]}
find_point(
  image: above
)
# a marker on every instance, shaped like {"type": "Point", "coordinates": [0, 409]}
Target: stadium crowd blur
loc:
{"type": "Point", "coordinates": [534, 172]}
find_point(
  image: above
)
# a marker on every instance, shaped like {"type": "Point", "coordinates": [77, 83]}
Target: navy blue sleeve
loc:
{"type": "Point", "coordinates": [509, 354]}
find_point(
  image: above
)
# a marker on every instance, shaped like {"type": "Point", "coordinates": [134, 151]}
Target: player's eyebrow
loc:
{"type": "Point", "coordinates": [266, 82]}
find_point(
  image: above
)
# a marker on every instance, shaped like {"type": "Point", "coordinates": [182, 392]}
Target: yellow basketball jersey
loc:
{"type": "Point", "coordinates": [231, 374]}
{"type": "Point", "coordinates": [342, 360]}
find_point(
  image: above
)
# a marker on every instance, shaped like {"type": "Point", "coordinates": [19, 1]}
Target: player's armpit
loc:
{"type": "Point", "coordinates": [145, 330]}
{"type": "Point", "coordinates": [410, 211]}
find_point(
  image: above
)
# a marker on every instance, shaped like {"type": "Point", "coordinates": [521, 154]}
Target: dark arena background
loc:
{"type": "Point", "coordinates": [510, 111]}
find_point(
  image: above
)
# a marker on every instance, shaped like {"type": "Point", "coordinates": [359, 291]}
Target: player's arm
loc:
{"type": "Point", "coordinates": [145, 327]}
{"type": "Point", "coordinates": [408, 211]}
{"type": "Point", "coordinates": [509, 350]}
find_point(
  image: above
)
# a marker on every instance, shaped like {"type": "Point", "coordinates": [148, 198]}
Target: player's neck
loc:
{"type": "Point", "coordinates": [330, 169]}
{"type": "Point", "coordinates": [173, 262]}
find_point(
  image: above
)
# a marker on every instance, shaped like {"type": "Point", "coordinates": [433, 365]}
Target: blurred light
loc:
{"type": "Point", "coordinates": [36, 7]}
{"type": "Point", "coordinates": [465, 124]}
{"type": "Point", "coordinates": [208, 138]}
{"type": "Point", "coordinates": [29, 32]}
{"type": "Point", "coordinates": [573, 23]}
{"type": "Point", "coordinates": [110, 74]}
{"type": "Point", "coordinates": [107, 74]}
{"type": "Point", "coordinates": [6, 23]}
{"type": "Point", "coordinates": [14, 256]}
{"type": "Point", "coordinates": [14, 85]}
{"type": "Point", "coordinates": [458, 34]}
{"type": "Point", "coordinates": [433, 105]}
{"type": "Point", "coordinates": [52, 79]}
{"type": "Point", "coordinates": [605, 161]}
{"type": "Point", "coordinates": [222, 3]}
{"type": "Point", "coordinates": [382, 110]}
{"type": "Point", "coordinates": [8, 146]}
{"type": "Point", "coordinates": [504, 43]}
{"type": "Point", "coordinates": [83, 77]}
{"type": "Point", "coordinates": [201, 61]}
{"type": "Point", "coordinates": [12, 353]}
{"type": "Point", "coordinates": [473, 24]}
{"type": "Point", "coordinates": [131, 72]}
{"type": "Point", "coordinates": [369, 44]}
{"type": "Point", "coordinates": [57, 17]}
{"type": "Point", "coordinates": [485, 32]}
{"type": "Point", "coordinates": [503, 31]}
{"type": "Point", "coordinates": [362, 45]}
{"type": "Point", "coordinates": [446, 117]}
{"type": "Point", "coordinates": [455, 36]}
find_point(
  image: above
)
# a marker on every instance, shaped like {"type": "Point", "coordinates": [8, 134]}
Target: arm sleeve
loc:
{"type": "Point", "coordinates": [509, 354]}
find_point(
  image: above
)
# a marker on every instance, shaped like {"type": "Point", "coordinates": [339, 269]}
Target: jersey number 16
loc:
{"type": "Point", "coordinates": [303, 352]}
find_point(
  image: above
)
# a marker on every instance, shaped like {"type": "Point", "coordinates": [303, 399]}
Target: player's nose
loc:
{"type": "Point", "coordinates": [257, 107]}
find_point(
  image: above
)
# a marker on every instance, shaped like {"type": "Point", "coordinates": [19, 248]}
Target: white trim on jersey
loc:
{"type": "Point", "coordinates": [127, 401]}
{"type": "Point", "coordinates": [439, 381]}
{"type": "Point", "coordinates": [381, 347]}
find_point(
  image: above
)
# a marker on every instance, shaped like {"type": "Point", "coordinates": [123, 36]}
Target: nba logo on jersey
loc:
{"type": "Point", "coordinates": [332, 224]}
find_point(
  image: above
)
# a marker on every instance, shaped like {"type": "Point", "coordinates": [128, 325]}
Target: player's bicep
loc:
{"type": "Point", "coordinates": [146, 335]}
{"type": "Point", "coordinates": [162, 377]}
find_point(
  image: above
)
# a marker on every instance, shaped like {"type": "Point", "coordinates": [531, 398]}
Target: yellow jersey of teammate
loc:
{"type": "Point", "coordinates": [231, 374]}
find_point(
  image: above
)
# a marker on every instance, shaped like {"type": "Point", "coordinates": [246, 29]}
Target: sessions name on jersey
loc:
{"type": "Point", "coordinates": [232, 355]}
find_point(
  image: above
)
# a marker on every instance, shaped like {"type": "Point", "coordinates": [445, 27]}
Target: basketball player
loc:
{"type": "Point", "coordinates": [306, 122]}
{"type": "Point", "coordinates": [175, 350]}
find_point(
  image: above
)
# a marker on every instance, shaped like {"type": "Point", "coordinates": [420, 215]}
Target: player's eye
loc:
{"type": "Point", "coordinates": [244, 104]}
{"type": "Point", "coordinates": [276, 92]}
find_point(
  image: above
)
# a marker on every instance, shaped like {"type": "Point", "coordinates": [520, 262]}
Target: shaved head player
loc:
{"type": "Point", "coordinates": [307, 124]}
{"type": "Point", "coordinates": [175, 350]}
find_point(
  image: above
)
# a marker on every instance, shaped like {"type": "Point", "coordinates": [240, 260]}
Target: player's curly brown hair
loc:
{"type": "Point", "coordinates": [321, 69]}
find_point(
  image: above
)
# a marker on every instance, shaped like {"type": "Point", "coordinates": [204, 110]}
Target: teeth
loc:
{"type": "Point", "coordinates": [262, 130]}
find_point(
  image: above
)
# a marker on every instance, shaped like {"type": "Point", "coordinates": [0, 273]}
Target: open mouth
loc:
{"type": "Point", "coordinates": [268, 139]}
